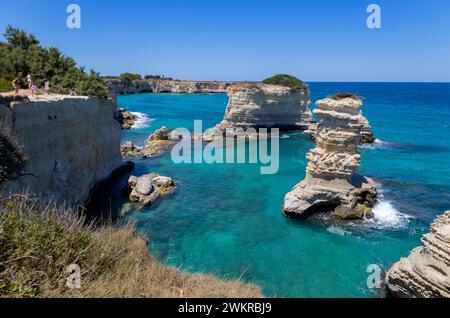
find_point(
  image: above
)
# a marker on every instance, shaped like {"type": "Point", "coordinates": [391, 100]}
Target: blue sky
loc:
{"type": "Point", "coordinates": [320, 40]}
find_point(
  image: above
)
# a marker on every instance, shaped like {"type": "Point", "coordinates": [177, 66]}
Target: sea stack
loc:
{"type": "Point", "coordinates": [331, 184]}
{"type": "Point", "coordinates": [367, 136]}
{"type": "Point", "coordinates": [267, 106]}
{"type": "Point", "coordinates": [425, 273]}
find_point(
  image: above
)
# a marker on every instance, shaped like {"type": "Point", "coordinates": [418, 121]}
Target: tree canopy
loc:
{"type": "Point", "coordinates": [130, 77]}
{"type": "Point", "coordinates": [22, 54]}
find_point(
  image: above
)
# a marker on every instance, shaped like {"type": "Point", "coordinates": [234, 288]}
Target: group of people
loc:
{"type": "Point", "coordinates": [32, 86]}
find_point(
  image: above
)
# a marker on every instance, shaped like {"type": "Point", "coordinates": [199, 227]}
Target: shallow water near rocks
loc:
{"type": "Point", "coordinates": [226, 219]}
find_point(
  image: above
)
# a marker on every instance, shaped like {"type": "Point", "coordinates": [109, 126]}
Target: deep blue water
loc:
{"type": "Point", "coordinates": [226, 219]}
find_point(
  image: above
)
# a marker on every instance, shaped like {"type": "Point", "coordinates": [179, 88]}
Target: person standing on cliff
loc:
{"type": "Point", "coordinates": [29, 80]}
{"type": "Point", "coordinates": [33, 87]}
{"type": "Point", "coordinates": [47, 87]}
{"type": "Point", "coordinates": [16, 84]}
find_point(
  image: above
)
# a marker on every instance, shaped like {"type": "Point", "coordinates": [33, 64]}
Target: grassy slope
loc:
{"type": "Point", "coordinates": [38, 242]}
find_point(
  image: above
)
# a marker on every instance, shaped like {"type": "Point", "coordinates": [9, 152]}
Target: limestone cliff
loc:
{"type": "Point", "coordinates": [188, 87]}
{"type": "Point", "coordinates": [331, 182]}
{"type": "Point", "coordinates": [73, 144]}
{"type": "Point", "coordinates": [117, 87]}
{"type": "Point", "coordinates": [263, 105]}
{"type": "Point", "coordinates": [425, 273]}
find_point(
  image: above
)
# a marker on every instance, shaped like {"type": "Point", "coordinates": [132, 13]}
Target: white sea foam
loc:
{"type": "Point", "coordinates": [338, 230]}
{"type": "Point", "coordinates": [285, 136]}
{"type": "Point", "coordinates": [378, 144]}
{"type": "Point", "coordinates": [143, 120]}
{"type": "Point", "coordinates": [386, 215]}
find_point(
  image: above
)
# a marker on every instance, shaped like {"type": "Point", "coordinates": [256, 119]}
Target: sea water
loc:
{"type": "Point", "coordinates": [226, 219]}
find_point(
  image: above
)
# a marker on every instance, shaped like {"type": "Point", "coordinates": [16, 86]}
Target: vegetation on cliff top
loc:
{"type": "Point", "coordinates": [340, 96]}
{"type": "Point", "coordinates": [39, 241]}
{"type": "Point", "coordinates": [22, 54]}
{"type": "Point", "coordinates": [5, 85]}
{"type": "Point", "coordinates": [285, 80]}
{"type": "Point", "coordinates": [130, 77]}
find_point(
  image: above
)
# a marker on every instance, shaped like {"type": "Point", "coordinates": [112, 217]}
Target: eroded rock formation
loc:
{"type": "Point", "coordinates": [263, 105]}
{"type": "Point", "coordinates": [125, 118]}
{"type": "Point", "coordinates": [425, 273]}
{"type": "Point", "coordinates": [148, 188]}
{"type": "Point", "coordinates": [155, 144]}
{"type": "Point", "coordinates": [367, 137]}
{"type": "Point", "coordinates": [331, 183]}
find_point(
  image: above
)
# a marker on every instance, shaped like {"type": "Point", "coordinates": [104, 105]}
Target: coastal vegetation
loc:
{"type": "Point", "coordinates": [5, 85]}
{"type": "Point", "coordinates": [340, 96]}
{"type": "Point", "coordinates": [22, 54]}
{"type": "Point", "coordinates": [285, 80]}
{"type": "Point", "coordinates": [38, 241]}
{"type": "Point", "coordinates": [130, 77]}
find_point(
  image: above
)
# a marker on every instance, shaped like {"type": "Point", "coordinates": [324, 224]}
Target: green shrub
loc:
{"type": "Point", "coordinates": [340, 96]}
{"type": "Point", "coordinates": [285, 80]}
{"type": "Point", "coordinates": [5, 85]}
{"type": "Point", "coordinates": [130, 77]}
{"type": "Point", "coordinates": [37, 242]}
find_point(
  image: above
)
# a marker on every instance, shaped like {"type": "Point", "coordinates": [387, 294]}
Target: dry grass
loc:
{"type": "Point", "coordinates": [38, 241]}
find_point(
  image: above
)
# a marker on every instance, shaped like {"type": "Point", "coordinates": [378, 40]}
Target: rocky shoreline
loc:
{"type": "Point", "coordinates": [425, 273]}
{"type": "Point", "coordinates": [125, 118]}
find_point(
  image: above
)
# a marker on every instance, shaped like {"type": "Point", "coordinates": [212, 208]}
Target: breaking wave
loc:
{"type": "Point", "coordinates": [143, 120]}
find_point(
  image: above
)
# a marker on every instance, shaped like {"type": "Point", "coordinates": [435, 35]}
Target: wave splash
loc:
{"type": "Point", "coordinates": [143, 120]}
{"type": "Point", "coordinates": [386, 215]}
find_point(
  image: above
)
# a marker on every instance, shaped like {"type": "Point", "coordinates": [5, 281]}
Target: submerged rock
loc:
{"type": "Point", "coordinates": [148, 188]}
{"type": "Point", "coordinates": [331, 184]}
{"type": "Point", "coordinates": [125, 118]}
{"type": "Point", "coordinates": [425, 273]}
{"type": "Point", "coordinates": [267, 106]}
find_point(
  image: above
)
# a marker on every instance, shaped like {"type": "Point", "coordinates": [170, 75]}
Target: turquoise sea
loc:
{"type": "Point", "coordinates": [226, 219]}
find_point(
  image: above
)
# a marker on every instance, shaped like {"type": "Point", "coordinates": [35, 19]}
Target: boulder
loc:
{"type": "Point", "coordinates": [157, 142]}
{"type": "Point", "coordinates": [331, 184]}
{"type": "Point", "coordinates": [148, 188]}
{"type": "Point", "coordinates": [160, 134]}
